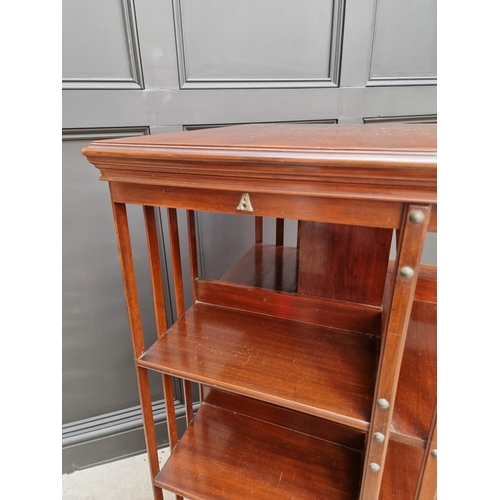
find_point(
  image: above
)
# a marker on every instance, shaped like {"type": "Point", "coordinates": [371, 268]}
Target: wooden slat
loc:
{"type": "Point", "coordinates": [280, 231]}
{"type": "Point", "coordinates": [371, 213]}
{"type": "Point", "coordinates": [259, 233]}
{"type": "Point", "coordinates": [179, 295]}
{"type": "Point", "coordinates": [193, 261]}
{"type": "Point", "coordinates": [409, 254]}
{"type": "Point", "coordinates": [322, 371]}
{"type": "Point", "coordinates": [315, 310]}
{"type": "Point", "coordinates": [160, 316]}
{"type": "Point", "coordinates": [193, 251]}
{"type": "Point", "coordinates": [176, 260]}
{"type": "Point", "coordinates": [134, 314]}
{"type": "Point", "coordinates": [266, 266]}
{"type": "Point", "coordinates": [226, 455]}
{"type": "Point", "coordinates": [155, 269]}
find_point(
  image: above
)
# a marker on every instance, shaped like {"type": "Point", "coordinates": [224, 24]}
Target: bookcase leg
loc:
{"type": "Point", "coordinates": [134, 315]}
{"type": "Point", "coordinates": [411, 242]}
{"type": "Point", "coordinates": [149, 429]}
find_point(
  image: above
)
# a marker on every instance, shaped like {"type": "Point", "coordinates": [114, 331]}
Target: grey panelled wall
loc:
{"type": "Point", "coordinates": [258, 43]}
{"type": "Point", "coordinates": [168, 65]}
{"type": "Point", "coordinates": [118, 66]}
{"type": "Point", "coordinates": [402, 49]}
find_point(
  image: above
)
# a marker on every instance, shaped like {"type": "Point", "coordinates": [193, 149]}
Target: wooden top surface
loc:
{"type": "Point", "coordinates": [417, 143]}
{"type": "Point", "coordinates": [391, 162]}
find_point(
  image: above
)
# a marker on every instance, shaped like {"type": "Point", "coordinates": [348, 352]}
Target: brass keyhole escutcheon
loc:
{"type": "Point", "coordinates": [245, 204]}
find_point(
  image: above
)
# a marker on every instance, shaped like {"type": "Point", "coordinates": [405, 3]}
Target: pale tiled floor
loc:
{"type": "Point", "coordinates": [126, 479]}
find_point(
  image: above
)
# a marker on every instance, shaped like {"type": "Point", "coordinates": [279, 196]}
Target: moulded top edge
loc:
{"type": "Point", "coordinates": [394, 143]}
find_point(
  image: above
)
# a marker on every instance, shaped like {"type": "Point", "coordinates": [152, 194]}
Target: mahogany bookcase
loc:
{"type": "Point", "coordinates": [317, 362]}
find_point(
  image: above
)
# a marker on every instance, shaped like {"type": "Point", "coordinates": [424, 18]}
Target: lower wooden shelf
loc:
{"type": "Point", "coordinates": [227, 455]}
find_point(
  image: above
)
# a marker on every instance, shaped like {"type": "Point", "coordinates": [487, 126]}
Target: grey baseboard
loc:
{"type": "Point", "coordinates": [113, 436]}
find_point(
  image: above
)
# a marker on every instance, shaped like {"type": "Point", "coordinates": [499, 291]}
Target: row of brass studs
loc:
{"type": "Point", "coordinates": [406, 272]}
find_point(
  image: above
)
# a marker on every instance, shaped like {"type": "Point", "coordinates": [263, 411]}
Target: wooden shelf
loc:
{"type": "Point", "coordinates": [229, 455]}
{"type": "Point", "coordinates": [314, 369]}
{"type": "Point", "coordinates": [266, 266]}
{"type": "Point", "coordinates": [416, 395]}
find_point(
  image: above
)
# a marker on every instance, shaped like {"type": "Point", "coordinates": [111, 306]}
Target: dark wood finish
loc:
{"type": "Point", "coordinates": [317, 370]}
{"type": "Point", "coordinates": [155, 269]}
{"type": "Point", "coordinates": [228, 455]}
{"type": "Point", "coordinates": [179, 296]}
{"type": "Point", "coordinates": [433, 222]}
{"type": "Point", "coordinates": [193, 261]}
{"type": "Point", "coordinates": [427, 483]}
{"type": "Point", "coordinates": [389, 162]}
{"type": "Point", "coordinates": [427, 284]}
{"type": "Point", "coordinates": [294, 378]}
{"type": "Point", "coordinates": [416, 395]}
{"type": "Point", "coordinates": [134, 315]}
{"type": "Point", "coordinates": [160, 316]}
{"type": "Point", "coordinates": [315, 310]}
{"type": "Point", "coordinates": [266, 266]}
{"type": "Point", "coordinates": [409, 254]}
{"type": "Point", "coordinates": [401, 472]}
{"type": "Point", "coordinates": [175, 253]}
{"type": "Point", "coordinates": [343, 262]}
{"type": "Point", "coordinates": [280, 232]}
{"type": "Point", "coordinates": [371, 213]}
{"type": "Point", "coordinates": [284, 417]}
{"type": "Point", "coordinates": [426, 289]}
{"type": "Point", "coordinates": [259, 232]}
{"type": "Point", "coordinates": [193, 252]}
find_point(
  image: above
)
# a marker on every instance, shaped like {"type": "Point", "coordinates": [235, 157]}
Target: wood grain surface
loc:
{"type": "Point", "coordinates": [266, 266]}
{"type": "Point", "coordinates": [343, 262]}
{"type": "Point", "coordinates": [416, 395]}
{"type": "Point", "coordinates": [318, 370]}
{"type": "Point", "coordinates": [229, 456]}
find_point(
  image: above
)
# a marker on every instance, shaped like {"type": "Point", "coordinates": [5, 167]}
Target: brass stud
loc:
{"type": "Point", "coordinates": [378, 436]}
{"type": "Point", "coordinates": [383, 403]}
{"type": "Point", "coordinates": [406, 272]}
{"type": "Point", "coordinates": [417, 217]}
{"type": "Point", "coordinates": [374, 467]}
{"type": "Point", "coordinates": [434, 453]}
